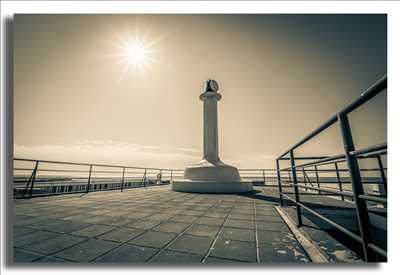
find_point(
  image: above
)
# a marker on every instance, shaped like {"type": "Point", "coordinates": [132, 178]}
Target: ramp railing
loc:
{"type": "Point", "coordinates": [364, 199]}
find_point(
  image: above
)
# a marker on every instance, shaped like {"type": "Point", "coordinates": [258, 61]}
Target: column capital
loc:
{"type": "Point", "coordinates": [210, 95]}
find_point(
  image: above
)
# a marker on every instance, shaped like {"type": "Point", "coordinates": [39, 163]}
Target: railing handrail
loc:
{"type": "Point", "coordinates": [351, 155]}
{"type": "Point", "coordinates": [373, 90]}
{"type": "Point", "coordinates": [366, 150]}
{"type": "Point", "coordinates": [121, 166]}
{"type": "Point", "coordinates": [90, 164]}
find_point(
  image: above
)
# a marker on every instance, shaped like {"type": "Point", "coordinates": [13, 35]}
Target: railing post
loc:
{"type": "Point", "coordinates": [123, 178]}
{"type": "Point", "coordinates": [296, 189]}
{"type": "Point", "coordinates": [171, 176]}
{"type": "Point", "coordinates": [160, 176]}
{"type": "Point", "coordinates": [144, 177]}
{"type": "Point", "coordinates": [89, 178]}
{"type": "Point", "coordinates": [304, 179]}
{"type": "Point", "coordinates": [339, 179]}
{"type": "Point", "coordinates": [263, 175]}
{"type": "Point", "coordinates": [354, 170]}
{"type": "Point", "coordinates": [309, 180]}
{"type": "Point", "coordinates": [28, 183]}
{"type": "Point", "coordinates": [278, 174]}
{"type": "Point", "coordinates": [317, 178]}
{"type": "Point", "coordinates": [33, 178]}
{"type": "Point", "coordinates": [383, 176]}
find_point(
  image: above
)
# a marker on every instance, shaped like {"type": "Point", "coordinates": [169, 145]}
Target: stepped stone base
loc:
{"type": "Point", "coordinates": [211, 177]}
{"type": "Point", "coordinates": [215, 187]}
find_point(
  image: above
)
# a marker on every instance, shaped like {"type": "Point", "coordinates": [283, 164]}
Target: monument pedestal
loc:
{"type": "Point", "coordinates": [207, 177]}
{"type": "Point", "coordinates": [212, 187]}
{"type": "Point", "coordinates": [211, 175]}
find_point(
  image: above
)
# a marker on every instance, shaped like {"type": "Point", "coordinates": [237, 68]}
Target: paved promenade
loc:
{"type": "Point", "coordinates": [152, 225]}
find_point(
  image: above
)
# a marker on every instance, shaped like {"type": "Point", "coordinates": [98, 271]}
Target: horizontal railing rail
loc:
{"type": "Point", "coordinates": [372, 91]}
{"type": "Point", "coordinates": [358, 184]}
{"type": "Point", "coordinates": [38, 177]}
{"type": "Point", "coordinates": [46, 177]}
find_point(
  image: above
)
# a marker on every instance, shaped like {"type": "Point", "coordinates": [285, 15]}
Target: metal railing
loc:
{"type": "Point", "coordinates": [351, 157]}
{"type": "Point", "coordinates": [34, 177]}
{"type": "Point", "coordinates": [258, 176]}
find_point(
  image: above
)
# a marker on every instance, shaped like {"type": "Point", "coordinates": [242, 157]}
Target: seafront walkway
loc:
{"type": "Point", "coordinates": [155, 224]}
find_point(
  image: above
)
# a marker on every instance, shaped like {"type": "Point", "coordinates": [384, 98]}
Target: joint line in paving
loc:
{"type": "Point", "coordinates": [256, 233]}
{"type": "Point", "coordinates": [122, 243]}
{"type": "Point", "coordinates": [217, 236]}
{"type": "Point", "coordinates": [174, 239]}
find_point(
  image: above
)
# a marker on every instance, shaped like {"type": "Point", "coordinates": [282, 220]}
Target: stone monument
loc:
{"type": "Point", "coordinates": [211, 175]}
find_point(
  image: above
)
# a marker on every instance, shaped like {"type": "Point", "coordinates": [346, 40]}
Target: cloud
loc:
{"type": "Point", "coordinates": [131, 154]}
{"type": "Point", "coordinates": [111, 152]}
{"type": "Point", "coordinates": [251, 161]}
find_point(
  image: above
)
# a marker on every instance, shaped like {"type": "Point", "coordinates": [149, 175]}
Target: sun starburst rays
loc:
{"type": "Point", "coordinates": [135, 53]}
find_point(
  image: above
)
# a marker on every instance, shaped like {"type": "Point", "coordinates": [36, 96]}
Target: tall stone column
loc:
{"type": "Point", "coordinates": [210, 122]}
{"type": "Point", "coordinates": [211, 175]}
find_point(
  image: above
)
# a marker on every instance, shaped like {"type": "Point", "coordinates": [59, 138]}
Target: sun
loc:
{"type": "Point", "coordinates": [135, 53]}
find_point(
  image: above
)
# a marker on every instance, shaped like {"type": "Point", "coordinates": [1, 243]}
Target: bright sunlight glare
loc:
{"type": "Point", "coordinates": [135, 53]}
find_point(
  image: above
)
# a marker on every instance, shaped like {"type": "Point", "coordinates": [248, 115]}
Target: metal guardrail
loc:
{"type": "Point", "coordinates": [259, 176]}
{"type": "Point", "coordinates": [351, 157]}
{"type": "Point", "coordinates": [34, 177]}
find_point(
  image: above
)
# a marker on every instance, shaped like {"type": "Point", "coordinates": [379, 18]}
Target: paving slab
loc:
{"type": "Point", "coordinates": [50, 260]}
{"type": "Point", "coordinates": [61, 226]}
{"type": "Point", "coordinates": [272, 226]}
{"type": "Point", "coordinates": [93, 230]}
{"type": "Point", "coordinates": [176, 257]}
{"type": "Point", "coordinates": [33, 237]}
{"type": "Point", "coordinates": [183, 218]}
{"type": "Point", "coordinates": [265, 236]}
{"type": "Point", "coordinates": [214, 214]}
{"type": "Point", "coordinates": [269, 218]}
{"type": "Point", "coordinates": [214, 260]}
{"type": "Point", "coordinates": [171, 227]}
{"type": "Point", "coordinates": [210, 221]}
{"type": "Point", "coordinates": [138, 215]}
{"type": "Point", "coordinates": [249, 217]}
{"type": "Point", "coordinates": [86, 251]}
{"type": "Point", "coordinates": [160, 217]}
{"type": "Point", "coordinates": [192, 213]}
{"type": "Point", "coordinates": [282, 253]}
{"type": "Point", "coordinates": [21, 230]}
{"type": "Point", "coordinates": [23, 256]}
{"type": "Point", "coordinates": [243, 211]}
{"type": "Point", "coordinates": [238, 234]}
{"type": "Point", "coordinates": [117, 221]}
{"type": "Point", "coordinates": [121, 234]}
{"type": "Point", "coordinates": [53, 245]}
{"type": "Point", "coordinates": [203, 230]}
{"type": "Point", "coordinates": [191, 244]}
{"type": "Point", "coordinates": [244, 224]}
{"type": "Point", "coordinates": [78, 217]}
{"type": "Point", "coordinates": [143, 224]}
{"type": "Point", "coordinates": [128, 254]}
{"type": "Point", "coordinates": [153, 239]}
{"type": "Point", "coordinates": [29, 220]}
{"type": "Point", "coordinates": [235, 250]}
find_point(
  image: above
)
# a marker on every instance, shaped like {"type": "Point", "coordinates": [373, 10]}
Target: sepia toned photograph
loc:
{"type": "Point", "coordinates": [199, 138]}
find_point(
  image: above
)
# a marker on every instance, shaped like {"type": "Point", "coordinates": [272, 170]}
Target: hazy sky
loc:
{"type": "Point", "coordinates": [280, 76]}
